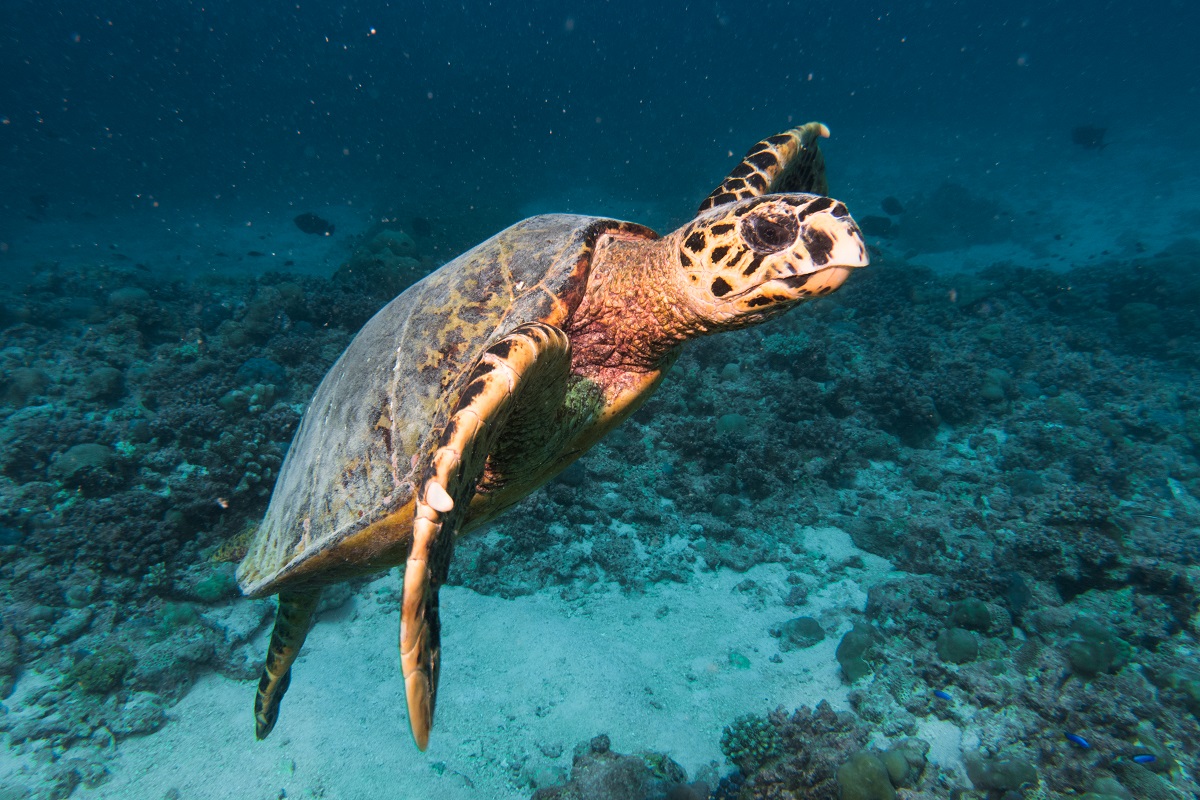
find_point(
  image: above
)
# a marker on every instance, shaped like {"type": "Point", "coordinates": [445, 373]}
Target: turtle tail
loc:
{"type": "Point", "coordinates": [292, 622]}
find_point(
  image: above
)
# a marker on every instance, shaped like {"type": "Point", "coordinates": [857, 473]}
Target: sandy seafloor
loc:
{"type": "Point", "coordinates": [523, 682]}
{"type": "Point", "coordinates": [538, 674]}
{"type": "Point", "coordinates": [521, 678]}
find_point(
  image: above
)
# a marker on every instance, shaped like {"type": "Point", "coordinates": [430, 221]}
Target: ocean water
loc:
{"type": "Point", "coordinates": [934, 535]}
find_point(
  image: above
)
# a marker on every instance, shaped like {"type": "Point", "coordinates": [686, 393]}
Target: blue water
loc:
{"type": "Point", "coordinates": [496, 105]}
{"type": "Point", "coordinates": [978, 463]}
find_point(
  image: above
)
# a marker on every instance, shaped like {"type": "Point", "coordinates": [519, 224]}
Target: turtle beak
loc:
{"type": "Point", "coordinates": [826, 252]}
{"type": "Point", "coordinates": [819, 282]}
{"type": "Point", "coordinates": [830, 243]}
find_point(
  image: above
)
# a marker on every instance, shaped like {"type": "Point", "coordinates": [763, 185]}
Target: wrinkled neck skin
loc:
{"type": "Point", "coordinates": [634, 314]}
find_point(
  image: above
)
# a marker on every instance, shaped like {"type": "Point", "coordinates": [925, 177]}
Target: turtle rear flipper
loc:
{"type": "Point", "coordinates": [785, 162]}
{"type": "Point", "coordinates": [530, 358]}
{"type": "Point", "coordinates": [233, 549]}
{"type": "Point", "coordinates": [292, 622]}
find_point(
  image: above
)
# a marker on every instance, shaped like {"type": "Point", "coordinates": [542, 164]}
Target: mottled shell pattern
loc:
{"type": "Point", "coordinates": [343, 502]}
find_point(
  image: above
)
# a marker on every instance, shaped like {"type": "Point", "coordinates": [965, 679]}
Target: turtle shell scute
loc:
{"type": "Point", "coordinates": [391, 392]}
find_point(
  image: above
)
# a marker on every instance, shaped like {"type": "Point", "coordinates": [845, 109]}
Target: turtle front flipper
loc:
{"type": "Point", "coordinates": [292, 621]}
{"type": "Point", "coordinates": [527, 360]}
{"type": "Point", "coordinates": [786, 162]}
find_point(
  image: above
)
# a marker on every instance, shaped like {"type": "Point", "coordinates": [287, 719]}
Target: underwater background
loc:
{"type": "Point", "coordinates": [933, 536]}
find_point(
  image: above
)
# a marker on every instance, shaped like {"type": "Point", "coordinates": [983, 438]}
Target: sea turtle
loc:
{"type": "Point", "coordinates": [492, 374]}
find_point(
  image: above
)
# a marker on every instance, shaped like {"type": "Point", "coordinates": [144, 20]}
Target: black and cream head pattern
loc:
{"type": "Point", "coordinates": [750, 259]}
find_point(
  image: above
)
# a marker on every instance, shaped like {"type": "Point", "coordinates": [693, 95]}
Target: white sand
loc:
{"type": "Point", "coordinates": [522, 678]}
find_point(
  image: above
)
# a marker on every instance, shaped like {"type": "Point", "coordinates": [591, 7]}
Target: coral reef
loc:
{"type": "Point", "coordinates": [750, 741]}
{"type": "Point", "coordinates": [142, 427]}
{"type": "Point", "coordinates": [1023, 445]}
{"type": "Point", "coordinates": [822, 755]}
{"type": "Point", "coordinates": [598, 773]}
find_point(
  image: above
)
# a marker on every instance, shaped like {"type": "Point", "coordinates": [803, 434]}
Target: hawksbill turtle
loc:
{"type": "Point", "coordinates": [495, 372]}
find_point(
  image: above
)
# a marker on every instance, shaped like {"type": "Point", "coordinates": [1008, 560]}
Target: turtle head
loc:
{"type": "Point", "coordinates": [746, 261]}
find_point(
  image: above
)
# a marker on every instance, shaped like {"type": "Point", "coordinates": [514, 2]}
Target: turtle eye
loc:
{"type": "Point", "coordinates": [769, 234]}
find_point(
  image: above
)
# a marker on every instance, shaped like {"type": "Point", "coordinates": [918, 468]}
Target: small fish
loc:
{"type": "Point", "coordinates": [421, 227]}
{"type": "Point", "coordinates": [1075, 738]}
{"type": "Point", "coordinates": [1089, 137]}
{"type": "Point", "coordinates": [1145, 758]}
{"type": "Point", "coordinates": [939, 694]}
{"type": "Point", "coordinates": [311, 223]}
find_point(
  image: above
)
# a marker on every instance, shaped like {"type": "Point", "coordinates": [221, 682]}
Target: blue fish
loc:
{"type": "Point", "coordinates": [1075, 738]}
{"type": "Point", "coordinates": [1145, 758]}
{"type": "Point", "coordinates": [939, 694]}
